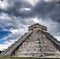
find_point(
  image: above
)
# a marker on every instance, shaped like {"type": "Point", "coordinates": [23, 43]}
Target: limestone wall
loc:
{"type": "Point", "coordinates": [36, 45]}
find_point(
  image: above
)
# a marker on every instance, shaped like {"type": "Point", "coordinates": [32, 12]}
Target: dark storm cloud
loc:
{"type": "Point", "coordinates": [41, 9]}
{"type": "Point", "coordinates": [45, 9]}
{"type": "Point", "coordinates": [15, 6]}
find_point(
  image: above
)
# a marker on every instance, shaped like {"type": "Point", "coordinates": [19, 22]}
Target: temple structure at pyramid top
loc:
{"type": "Point", "coordinates": [37, 42]}
{"type": "Point", "coordinates": [37, 26]}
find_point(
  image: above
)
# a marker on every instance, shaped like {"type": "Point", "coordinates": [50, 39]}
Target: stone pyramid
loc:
{"type": "Point", "coordinates": [37, 42]}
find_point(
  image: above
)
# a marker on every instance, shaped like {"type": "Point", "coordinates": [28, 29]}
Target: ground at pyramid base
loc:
{"type": "Point", "coordinates": [37, 42]}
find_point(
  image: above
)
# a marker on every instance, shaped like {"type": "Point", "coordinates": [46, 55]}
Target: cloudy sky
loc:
{"type": "Point", "coordinates": [17, 15]}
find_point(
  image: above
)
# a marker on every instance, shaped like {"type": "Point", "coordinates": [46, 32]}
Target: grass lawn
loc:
{"type": "Point", "coordinates": [25, 58]}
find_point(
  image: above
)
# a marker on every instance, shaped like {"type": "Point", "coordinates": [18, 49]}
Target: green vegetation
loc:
{"type": "Point", "coordinates": [0, 52]}
{"type": "Point", "coordinates": [24, 58]}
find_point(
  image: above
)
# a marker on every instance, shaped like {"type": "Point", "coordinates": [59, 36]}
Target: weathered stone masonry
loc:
{"type": "Point", "coordinates": [37, 42]}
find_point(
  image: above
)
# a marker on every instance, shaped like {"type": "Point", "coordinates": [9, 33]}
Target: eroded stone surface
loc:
{"type": "Point", "coordinates": [37, 45]}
